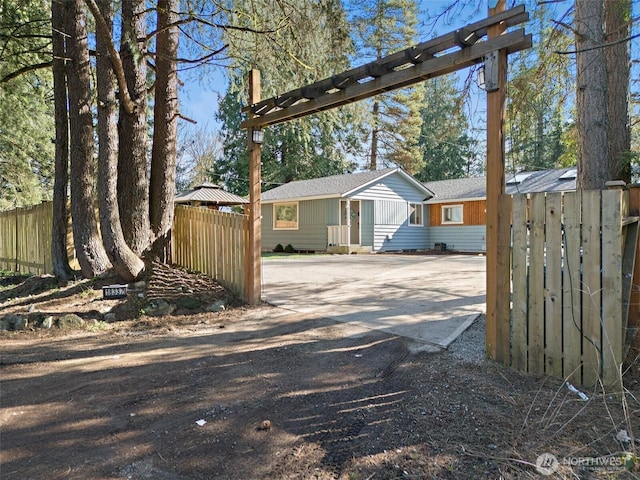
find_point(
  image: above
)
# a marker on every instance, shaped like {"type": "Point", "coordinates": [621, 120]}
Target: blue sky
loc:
{"type": "Point", "coordinates": [199, 99]}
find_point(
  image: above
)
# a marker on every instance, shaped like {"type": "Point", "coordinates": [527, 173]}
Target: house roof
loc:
{"type": "Point", "coordinates": [210, 193]}
{"type": "Point", "coordinates": [475, 188]}
{"type": "Point", "coordinates": [334, 186]}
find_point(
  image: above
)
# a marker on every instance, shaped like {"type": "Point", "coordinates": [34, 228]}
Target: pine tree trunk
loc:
{"type": "Point", "coordinates": [124, 261]}
{"type": "Point", "coordinates": [592, 111]}
{"type": "Point", "coordinates": [617, 13]}
{"type": "Point", "coordinates": [89, 250]}
{"type": "Point", "coordinates": [165, 121]}
{"type": "Point", "coordinates": [60, 259]}
{"type": "Point", "coordinates": [133, 185]}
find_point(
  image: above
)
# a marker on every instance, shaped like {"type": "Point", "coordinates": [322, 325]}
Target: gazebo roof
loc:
{"type": "Point", "coordinates": [210, 193]}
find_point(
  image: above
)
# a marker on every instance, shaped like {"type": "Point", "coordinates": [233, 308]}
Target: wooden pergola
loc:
{"type": "Point", "coordinates": [486, 41]}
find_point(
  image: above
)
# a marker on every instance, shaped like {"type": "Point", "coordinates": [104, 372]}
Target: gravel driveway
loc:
{"type": "Point", "coordinates": [430, 299]}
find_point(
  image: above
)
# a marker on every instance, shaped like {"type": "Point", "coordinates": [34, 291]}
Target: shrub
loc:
{"type": "Point", "coordinates": [289, 249]}
{"type": "Point", "coordinates": [279, 248]}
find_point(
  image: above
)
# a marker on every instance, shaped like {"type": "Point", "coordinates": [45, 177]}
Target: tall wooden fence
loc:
{"type": "Point", "coordinates": [25, 239]}
{"type": "Point", "coordinates": [572, 262]}
{"type": "Point", "coordinates": [213, 243]}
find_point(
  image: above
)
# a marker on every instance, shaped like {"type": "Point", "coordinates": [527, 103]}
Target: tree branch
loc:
{"type": "Point", "coordinates": [129, 105]}
{"type": "Point", "coordinates": [604, 45]}
{"type": "Point", "coordinates": [28, 68]}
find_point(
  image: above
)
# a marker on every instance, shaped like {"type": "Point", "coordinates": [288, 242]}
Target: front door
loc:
{"type": "Point", "coordinates": [354, 210]}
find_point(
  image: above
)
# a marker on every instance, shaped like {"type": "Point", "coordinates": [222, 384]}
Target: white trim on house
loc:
{"type": "Point", "coordinates": [300, 199]}
{"type": "Point", "coordinates": [275, 219]}
{"type": "Point", "coordinates": [451, 222]}
{"type": "Point", "coordinates": [435, 201]}
{"type": "Point", "coordinates": [402, 173]}
{"type": "Point", "coordinates": [421, 216]}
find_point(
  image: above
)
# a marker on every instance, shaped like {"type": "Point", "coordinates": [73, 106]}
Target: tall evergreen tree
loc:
{"type": "Point", "coordinates": [26, 110]}
{"type": "Point", "coordinates": [383, 27]}
{"type": "Point", "coordinates": [311, 46]}
{"type": "Point", "coordinates": [448, 150]}
{"type": "Point", "coordinates": [539, 97]}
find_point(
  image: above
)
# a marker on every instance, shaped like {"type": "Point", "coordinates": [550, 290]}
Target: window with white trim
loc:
{"type": "Point", "coordinates": [451, 214]}
{"type": "Point", "coordinates": [415, 214]}
{"type": "Point", "coordinates": [285, 216]}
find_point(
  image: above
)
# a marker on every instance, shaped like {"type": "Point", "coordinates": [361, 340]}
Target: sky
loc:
{"type": "Point", "coordinates": [199, 99]}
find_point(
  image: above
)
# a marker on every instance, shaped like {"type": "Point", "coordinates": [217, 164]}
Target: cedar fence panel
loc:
{"type": "Point", "coordinates": [25, 239]}
{"type": "Point", "coordinates": [213, 243]}
{"type": "Point", "coordinates": [568, 295]}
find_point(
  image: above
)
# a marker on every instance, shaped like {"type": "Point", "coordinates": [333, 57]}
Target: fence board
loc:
{"type": "Point", "coordinates": [553, 285]}
{"type": "Point", "coordinates": [213, 243]}
{"type": "Point", "coordinates": [591, 287]}
{"type": "Point", "coordinates": [612, 339]}
{"type": "Point", "coordinates": [536, 284]}
{"type": "Point", "coordinates": [567, 314]}
{"type": "Point", "coordinates": [520, 292]}
{"type": "Point", "coordinates": [571, 291]}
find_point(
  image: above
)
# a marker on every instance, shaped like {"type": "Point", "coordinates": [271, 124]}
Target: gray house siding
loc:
{"type": "Point", "coordinates": [313, 218]}
{"type": "Point", "coordinates": [392, 229]}
{"type": "Point", "coordinates": [460, 238]}
{"type": "Point", "coordinates": [390, 188]}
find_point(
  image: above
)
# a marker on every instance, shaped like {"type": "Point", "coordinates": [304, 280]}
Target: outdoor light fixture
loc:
{"type": "Point", "coordinates": [257, 136]}
{"type": "Point", "coordinates": [481, 83]}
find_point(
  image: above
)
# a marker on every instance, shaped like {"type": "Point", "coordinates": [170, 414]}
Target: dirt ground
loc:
{"type": "Point", "coordinates": [264, 393]}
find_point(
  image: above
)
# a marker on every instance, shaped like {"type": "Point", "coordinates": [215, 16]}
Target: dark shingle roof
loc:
{"type": "Point", "coordinates": [210, 193]}
{"type": "Point", "coordinates": [333, 186]}
{"type": "Point", "coordinates": [527, 182]}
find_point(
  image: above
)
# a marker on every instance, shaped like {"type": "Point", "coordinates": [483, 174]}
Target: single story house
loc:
{"type": "Point", "coordinates": [209, 195]}
{"type": "Point", "coordinates": [372, 211]}
{"type": "Point", "coordinates": [457, 209]}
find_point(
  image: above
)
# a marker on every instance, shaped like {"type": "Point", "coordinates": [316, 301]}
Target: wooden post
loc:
{"type": "Point", "coordinates": [252, 265]}
{"type": "Point", "coordinates": [498, 266]}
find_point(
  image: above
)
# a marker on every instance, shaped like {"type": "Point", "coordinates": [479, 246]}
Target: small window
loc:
{"type": "Point", "coordinates": [452, 214]}
{"type": "Point", "coordinates": [415, 214]}
{"type": "Point", "coordinates": [285, 216]}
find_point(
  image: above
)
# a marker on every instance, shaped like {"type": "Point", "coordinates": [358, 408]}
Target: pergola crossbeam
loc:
{"type": "Point", "coordinates": [463, 39]}
{"type": "Point", "coordinates": [437, 66]}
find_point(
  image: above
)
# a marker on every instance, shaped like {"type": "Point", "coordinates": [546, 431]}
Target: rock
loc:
{"type": "Point", "coordinates": [70, 321]}
{"type": "Point", "coordinates": [217, 306]}
{"type": "Point", "coordinates": [140, 285]}
{"type": "Point", "coordinates": [9, 322]}
{"type": "Point", "coordinates": [160, 308]}
{"type": "Point", "coordinates": [47, 322]}
{"type": "Point", "coordinates": [31, 308]}
{"type": "Point", "coordinates": [21, 323]}
{"type": "Point", "coordinates": [110, 317]}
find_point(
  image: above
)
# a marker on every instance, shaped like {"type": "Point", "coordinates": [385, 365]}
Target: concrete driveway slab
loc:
{"type": "Point", "coordinates": [430, 299]}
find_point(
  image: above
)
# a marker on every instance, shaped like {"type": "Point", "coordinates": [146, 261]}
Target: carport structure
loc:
{"type": "Point", "coordinates": [454, 51]}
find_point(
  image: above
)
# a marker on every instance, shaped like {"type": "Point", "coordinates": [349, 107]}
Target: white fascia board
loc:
{"type": "Point", "coordinates": [300, 199]}
{"type": "Point", "coordinates": [408, 177]}
{"type": "Point", "coordinates": [432, 201]}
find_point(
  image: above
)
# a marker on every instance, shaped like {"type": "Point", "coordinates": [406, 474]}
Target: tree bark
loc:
{"type": "Point", "coordinates": [60, 259]}
{"type": "Point", "coordinates": [89, 250]}
{"type": "Point", "coordinates": [133, 184]}
{"type": "Point", "coordinates": [617, 15]}
{"type": "Point", "coordinates": [592, 111]}
{"type": "Point", "coordinates": [124, 261]}
{"type": "Point", "coordinates": [165, 121]}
